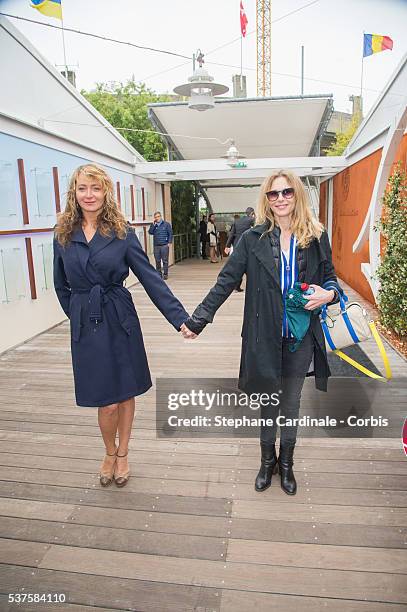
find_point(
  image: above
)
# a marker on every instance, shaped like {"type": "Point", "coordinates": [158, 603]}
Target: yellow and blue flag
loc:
{"type": "Point", "coordinates": [51, 8]}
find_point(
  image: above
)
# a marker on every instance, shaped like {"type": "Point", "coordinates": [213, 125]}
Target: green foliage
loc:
{"type": "Point", "coordinates": [125, 106]}
{"type": "Point", "coordinates": [342, 139]}
{"type": "Point", "coordinates": [392, 272]}
{"type": "Point", "coordinates": [183, 207]}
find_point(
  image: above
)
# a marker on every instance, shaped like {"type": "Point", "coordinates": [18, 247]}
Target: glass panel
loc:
{"type": "Point", "coordinates": [8, 203]}
{"type": "Point", "coordinates": [139, 204]}
{"type": "Point", "coordinates": [44, 192]}
{"type": "Point", "coordinates": [126, 202]}
{"type": "Point", "coordinates": [45, 257]}
{"type": "Point", "coordinates": [12, 284]}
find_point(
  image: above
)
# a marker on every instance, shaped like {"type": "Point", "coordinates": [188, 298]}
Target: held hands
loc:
{"type": "Point", "coordinates": [187, 333]}
{"type": "Point", "coordinates": [319, 298]}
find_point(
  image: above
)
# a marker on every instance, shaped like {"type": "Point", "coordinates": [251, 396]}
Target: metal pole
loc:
{"type": "Point", "coordinates": [63, 44]}
{"type": "Point", "coordinates": [241, 58]}
{"type": "Point", "coordinates": [302, 70]}
{"type": "Point", "coordinates": [361, 72]}
{"type": "Point", "coordinates": [197, 218]}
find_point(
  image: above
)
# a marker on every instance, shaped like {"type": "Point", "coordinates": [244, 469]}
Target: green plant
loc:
{"type": "Point", "coordinates": [342, 139]}
{"type": "Point", "coordinates": [392, 271]}
{"type": "Point", "coordinates": [124, 105]}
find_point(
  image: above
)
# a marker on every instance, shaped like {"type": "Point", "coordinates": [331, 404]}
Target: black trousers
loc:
{"type": "Point", "coordinates": [203, 246]}
{"type": "Point", "coordinates": [294, 369]}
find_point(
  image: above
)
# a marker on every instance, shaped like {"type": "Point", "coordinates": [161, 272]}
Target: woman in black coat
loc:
{"type": "Point", "coordinates": [94, 248]}
{"type": "Point", "coordinates": [288, 244]}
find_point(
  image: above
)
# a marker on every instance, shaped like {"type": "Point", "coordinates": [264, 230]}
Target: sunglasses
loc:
{"type": "Point", "coordinates": [287, 193]}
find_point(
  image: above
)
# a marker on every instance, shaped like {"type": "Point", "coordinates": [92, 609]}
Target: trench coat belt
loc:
{"type": "Point", "coordinates": [96, 299]}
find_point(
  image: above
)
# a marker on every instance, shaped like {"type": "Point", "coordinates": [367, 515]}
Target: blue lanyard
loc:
{"type": "Point", "coordinates": [288, 276]}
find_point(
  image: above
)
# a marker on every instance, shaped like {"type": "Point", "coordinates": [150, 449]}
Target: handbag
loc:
{"type": "Point", "coordinates": [345, 324]}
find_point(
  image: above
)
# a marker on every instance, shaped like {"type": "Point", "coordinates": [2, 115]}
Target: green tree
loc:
{"type": "Point", "coordinates": [342, 139]}
{"type": "Point", "coordinates": [125, 106]}
{"type": "Point", "coordinates": [392, 271]}
{"type": "Point", "coordinates": [183, 207]}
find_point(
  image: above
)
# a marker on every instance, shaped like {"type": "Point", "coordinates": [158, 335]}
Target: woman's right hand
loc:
{"type": "Point", "coordinates": [187, 333]}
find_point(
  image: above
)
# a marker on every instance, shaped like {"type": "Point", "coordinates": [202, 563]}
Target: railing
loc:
{"type": "Point", "coordinates": [184, 246]}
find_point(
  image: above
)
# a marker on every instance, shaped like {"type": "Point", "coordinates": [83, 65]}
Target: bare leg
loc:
{"type": "Point", "coordinates": [108, 419]}
{"type": "Point", "coordinates": [126, 416]}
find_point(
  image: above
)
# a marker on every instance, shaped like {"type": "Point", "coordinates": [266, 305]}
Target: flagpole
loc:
{"type": "Point", "coordinates": [63, 44]}
{"type": "Point", "coordinates": [361, 72]}
{"type": "Point", "coordinates": [241, 57]}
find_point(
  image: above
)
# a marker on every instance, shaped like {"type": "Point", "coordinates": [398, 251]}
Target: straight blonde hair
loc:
{"type": "Point", "coordinates": [110, 218]}
{"type": "Point", "coordinates": [303, 224]}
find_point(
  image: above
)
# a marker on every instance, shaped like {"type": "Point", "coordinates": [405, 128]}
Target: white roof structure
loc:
{"type": "Point", "coordinates": [43, 100]}
{"type": "Point", "coordinates": [270, 133]}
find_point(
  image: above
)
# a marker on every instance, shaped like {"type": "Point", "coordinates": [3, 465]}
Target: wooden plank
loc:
{"type": "Point", "coordinates": [148, 465]}
{"type": "Point", "coordinates": [35, 509]}
{"type": "Point", "coordinates": [118, 539]}
{"type": "Point", "coordinates": [239, 601]}
{"type": "Point", "coordinates": [174, 486]}
{"type": "Point", "coordinates": [255, 577]}
{"type": "Point", "coordinates": [321, 513]}
{"type": "Point", "coordinates": [354, 558]}
{"type": "Point", "coordinates": [20, 552]}
{"type": "Point", "coordinates": [333, 533]}
{"type": "Point", "coordinates": [101, 497]}
{"type": "Point", "coordinates": [89, 592]}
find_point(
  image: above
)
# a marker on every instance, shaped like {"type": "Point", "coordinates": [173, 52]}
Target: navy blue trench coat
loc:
{"type": "Point", "coordinates": [108, 355]}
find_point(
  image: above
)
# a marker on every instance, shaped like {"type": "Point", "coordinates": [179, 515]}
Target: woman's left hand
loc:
{"type": "Point", "coordinates": [319, 297]}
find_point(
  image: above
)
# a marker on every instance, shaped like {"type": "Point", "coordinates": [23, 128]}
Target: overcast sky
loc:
{"type": "Point", "coordinates": [330, 30]}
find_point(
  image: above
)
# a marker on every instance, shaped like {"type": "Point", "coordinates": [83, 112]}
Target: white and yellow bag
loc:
{"type": "Point", "coordinates": [346, 324]}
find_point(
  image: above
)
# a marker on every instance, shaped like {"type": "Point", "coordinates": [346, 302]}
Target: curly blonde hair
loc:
{"type": "Point", "coordinates": [304, 225]}
{"type": "Point", "coordinates": [110, 218]}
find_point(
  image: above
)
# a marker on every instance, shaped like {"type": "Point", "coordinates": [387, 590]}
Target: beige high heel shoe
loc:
{"type": "Point", "coordinates": [121, 478]}
{"type": "Point", "coordinates": [107, 469]}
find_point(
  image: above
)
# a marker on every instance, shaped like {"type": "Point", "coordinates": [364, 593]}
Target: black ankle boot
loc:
{"type": "Point", "coordinates": [285, 462]}
{"type": "Point", "coordinates": [268, 466]}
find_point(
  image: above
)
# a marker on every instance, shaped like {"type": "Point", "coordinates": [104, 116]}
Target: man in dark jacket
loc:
{"type": "Point", "coordinates": [162, 232]}
{"type": "Point", "coordinates": [239, 226]}
{"type": "Point", "coordinates": [202, 231]}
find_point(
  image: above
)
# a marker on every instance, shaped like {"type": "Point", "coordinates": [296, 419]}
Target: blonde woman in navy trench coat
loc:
{"type": "Point", "coordinates": [94, 248]}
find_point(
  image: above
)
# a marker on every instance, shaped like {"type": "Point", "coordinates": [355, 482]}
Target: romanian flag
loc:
{"type": "Point", "coordinates": [373, 43]}
{"type": "Point", "coordinates": [51, 8]}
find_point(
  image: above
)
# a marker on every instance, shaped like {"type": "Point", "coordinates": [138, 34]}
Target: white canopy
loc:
{"type": "Point", "coordinates": [269, 133]}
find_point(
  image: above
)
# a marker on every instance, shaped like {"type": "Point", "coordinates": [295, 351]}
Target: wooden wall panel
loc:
{"type": "Point", "coordinates": [352, 190]}
{"type": "Point", "coordinates": [23, 191]}
{"type": "Point", "coordinates": [118, 195]}
{"type": "Point", "coordinates": [56, 189]}
{"type": "Point", "coordinates": [31, 272]}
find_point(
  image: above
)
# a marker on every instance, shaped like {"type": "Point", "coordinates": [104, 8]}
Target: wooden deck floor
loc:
{"type": "Point", "coordinates": [188, 533]}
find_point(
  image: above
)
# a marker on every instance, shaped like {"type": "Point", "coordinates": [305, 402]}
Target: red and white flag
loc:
{"type": "Point", "coordinates": [243, 20]}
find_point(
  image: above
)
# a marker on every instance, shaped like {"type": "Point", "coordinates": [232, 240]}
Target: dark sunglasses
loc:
{"type": "Point", "coordinates": [287, 193]}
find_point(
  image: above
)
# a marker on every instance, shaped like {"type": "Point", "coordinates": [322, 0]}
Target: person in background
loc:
{"type": "Point", "coordinates": [240, 225]}
{"type": "Point", "coordinates": [202, 231]}
{"type": "Point", "coordinates": [162, 232]}
{"type": "Point", "coordinates": [212, 238]}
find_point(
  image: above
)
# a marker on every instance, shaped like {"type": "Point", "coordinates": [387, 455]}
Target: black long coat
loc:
{"type": "Point", "coordinates": [108, 356]}
{"type": "Point", "coordinates": [258, 256]}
